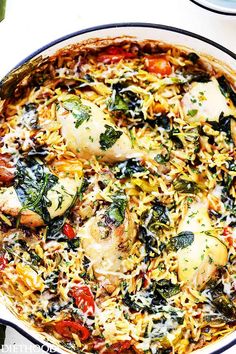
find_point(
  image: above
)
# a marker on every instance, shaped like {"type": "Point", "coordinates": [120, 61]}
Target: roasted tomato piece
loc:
{"type": "Point", "coordinates": [68, 231]}
{"type": "Point", "coordinates": [158, 65]}
{"type": "Point", "coordinates": [6, 174]}
{"type": "Point", "coordinates": [3, 263]}
{"type": "Point", "coordinates": [66, 328]}
{"type": "Point", "coordinates": [83, 299]}
{"type": "Point", "coordinates": [113, 55]}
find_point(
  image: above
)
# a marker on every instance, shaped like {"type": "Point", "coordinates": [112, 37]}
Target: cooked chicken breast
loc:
{"type": "Point", "coordinates": [60, 195]}
{"type": "Point", "coordinates": [205, 102]}
{"type": "Point", "coordinates": [88, 131]}
{"type": "Point", "coordinates": [106, 251]}
{"type": "Point", "coordinates": [198, 261]}
{"type": "Point", "coordinates": [10, 205]}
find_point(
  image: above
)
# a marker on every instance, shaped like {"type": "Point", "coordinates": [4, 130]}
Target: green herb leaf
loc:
{"type": "Point", "coordinates": [116, 212]}
{"type": "Point", "coordinates": [192, 112]}
{"type": "Point", "coordinates": [182, 240]}
{"type": "Point", "coordinates": [184, 186]}
{"type": "Point", "coordinates": [128, 168]}
{"type": "Point", "coordinates": [166, 289]}
{"type": "Point", "coordinates": [81, 112]}
{"type": "Point", "coordinates": [126, 101]}
{"type": "Point", "coordinates": [33, 181]}
{"type": "Point", "coordinates": [109, 137]}
{"type": "Point", "coordinates": [153, 220]}
{"type": "Point", "coordinates": [162, 159]}
{"type": "Point", "coordinates": [118, 104]}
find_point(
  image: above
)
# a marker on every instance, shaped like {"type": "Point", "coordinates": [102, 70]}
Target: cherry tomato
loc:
{"type": "Point", "coordinates": [83, 299]}
{"type": "Point", "coordinates": [113, 55]}
{"type": "Point", "coordinates": [3, 263]}
{"type": "Point", "coordinates": [68, 231]}
{"type": "Point", "coordinates": [158, 65]}
{"type": "Point", "coordinates": [66, 328]}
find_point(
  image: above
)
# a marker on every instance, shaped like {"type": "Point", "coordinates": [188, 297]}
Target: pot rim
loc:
{"type": "Point", "coordinates": [220, 10]}
{"type": "Point", "coordinates": [120, 25]}
{"type": "Point", "coordinates": [90, 30]}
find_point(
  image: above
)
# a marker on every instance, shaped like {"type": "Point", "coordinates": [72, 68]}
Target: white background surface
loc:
{"type": "Point", "coordinates": [30, 24]}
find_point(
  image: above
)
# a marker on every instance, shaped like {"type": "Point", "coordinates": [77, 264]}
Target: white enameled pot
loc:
{"type": "Point", "coordinates": [139, 31]}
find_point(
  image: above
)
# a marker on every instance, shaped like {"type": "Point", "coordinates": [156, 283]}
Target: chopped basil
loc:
{"type": "Point", "coordinates": [80, 112]}
{"type": "Point", "coordinates": [109, 137]}
{"type": "Point", "coordinates": [182, 240]}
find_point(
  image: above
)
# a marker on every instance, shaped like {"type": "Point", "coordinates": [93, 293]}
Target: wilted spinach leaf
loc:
{"type": "Point", "coordinates": [227, 89]}
{"type": "Point", "coordinates": [195, 76]}
{"type": "Point", "coordinates": [173, 135]}
{"type": "Point", "coordinates": [115, 214]}
{"type": "Point", "coordinates": [29, 118]}
{"type": "Point", "coordinates": [54, 229]}
{"type": "Point", "coordinates": [160, 120]}
{"type": "Point", "coordinates": [226, 306]}
{"type": "Point", "coordinates": [166, 289]}
{"type": "Point", "coordinates": [126, 101]}
{"type": "Point", "coordinates": [109, 137]}
{"type": "Point", "coordinates": [221, 301]}
{"type": "Point", "coordinates": [230, 205]}
{"type": "Point", "coordinates": [161, 158]}
{"type": "Point", "coordinates": [224, 124]}
{"type": "Point", "coordinates": [150, 299]}
{"type": "Point", "coordinates": [193, 57]}
{"type": "Point", "coordinates": [54, 226]}
{"type": "Point", "coordinates": [152, 220]}
{"type": "Point", "coordinates": [182, 240]}
{"type": "Point", "coordinates": [33, 181]}
{"type": "Point", "coordinates": [80, 112]}
{"type": "Point", "coordinates": [184, 186]}
{"type": "Point", "coordinates": [128, 168]}
{"type": "Point", "coordinates": [52, 280]}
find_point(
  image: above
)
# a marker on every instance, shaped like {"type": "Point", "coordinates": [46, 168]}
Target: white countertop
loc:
{"type": "Point", "coordinates": [30, 24]}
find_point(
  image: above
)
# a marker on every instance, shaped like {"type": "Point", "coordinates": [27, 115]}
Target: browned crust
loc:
{"type": "Point", "coordinates": [20, 76]}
